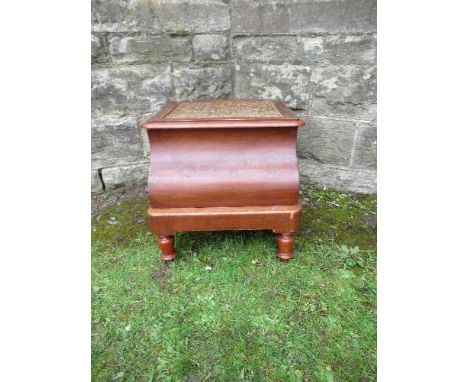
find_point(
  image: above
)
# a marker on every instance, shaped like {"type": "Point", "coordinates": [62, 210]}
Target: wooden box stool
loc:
{"type": "Point", "coordinates": [224, 165]}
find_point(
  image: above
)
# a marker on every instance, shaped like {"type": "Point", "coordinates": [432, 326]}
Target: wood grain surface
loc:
{"type": "Point", "coordinates": [168, 221]}
{"type": "Point", "coordinates": [223, 167]}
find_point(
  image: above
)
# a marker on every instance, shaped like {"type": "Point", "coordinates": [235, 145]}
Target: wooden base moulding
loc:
{"type": "Point", "coordinates": [224, 165]}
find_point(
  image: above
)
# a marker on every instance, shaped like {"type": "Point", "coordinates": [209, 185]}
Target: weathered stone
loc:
{"type": "Point", "coordinates": [115, 142]}
{"type": "Point", "coordinates": [345, 83]}
{"type": "Point", "coordinates": [260, 17]}
{"type": "Point", "coordinates": [198, 82]}
{"type": "Point", "coordinates": [144, 134]}
{"type": "Point", "coordinates": [364, 112]}
{"type": "Point", "coordinates": [143, 48]}
{"type": "Point", "coordinates": [331, 49]}
{"type": "Point", "coordinates": [210, 47]}
{"type": "Point", "coordinates": [336, 90]}
{"type": "Point", "coordinates": [277, 49]}
{"type": "Point", "coordinates": [130, 89]}
{"type": "Point", "coordinates": [314, 16]}
{"type": "Point", "coordinates": [326, 140]}
{"type": "Point", "coordinates": [365, 147]}
{"type": "Point", "coordinates": [96, 184]}
{"type": "Point", "coordinates": [334, 16]}
{"type": "Point", "coordinates": [175, 16]}
{"type": "Point", "coordinates": [286, 81]}
{"type": "Point", "coordinates": [123, 16]}
{"type": "Point", "coordinates": [196, 16]}
{"type": "Point", "coordinates": [130, 176]}
{"type": "Point", "coordinates": [340, 178]}
{"type": "Point", "coordinates": [349, 49]}
{"type": "Point", "coordinates": [98, 49]}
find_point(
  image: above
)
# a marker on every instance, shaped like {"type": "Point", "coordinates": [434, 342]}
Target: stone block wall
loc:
{"type": "Point", "coordinates": [319, 56]}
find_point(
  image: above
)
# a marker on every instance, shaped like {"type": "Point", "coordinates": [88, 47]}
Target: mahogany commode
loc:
{"type": "Point", "coordinates": [224, 165]}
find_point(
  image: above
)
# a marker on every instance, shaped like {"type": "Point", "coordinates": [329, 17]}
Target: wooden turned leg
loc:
{"type": "Point", "coordinates": [285, 245]}
{"type": "Point", "coordinates": [166, 243]}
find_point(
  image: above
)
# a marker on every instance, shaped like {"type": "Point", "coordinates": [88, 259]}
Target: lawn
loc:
{"type": "Point", "coordinates": [227, 309]}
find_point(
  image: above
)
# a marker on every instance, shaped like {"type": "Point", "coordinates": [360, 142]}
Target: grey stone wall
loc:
{"type": "Point", "coordinates": [318, 56]}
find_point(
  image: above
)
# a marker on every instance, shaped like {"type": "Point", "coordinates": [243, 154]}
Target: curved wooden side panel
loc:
{"type": "Point", "coordinates": [223, 167]}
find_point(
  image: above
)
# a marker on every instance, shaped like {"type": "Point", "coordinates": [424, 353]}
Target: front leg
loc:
{"type": "Point", "coordinates": [166, 243]}
{"type": "Point", "coordinates": [285, 243]}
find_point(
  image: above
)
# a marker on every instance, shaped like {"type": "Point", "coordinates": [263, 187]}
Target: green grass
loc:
{"type": "Point", "coordinates": [227, 309]}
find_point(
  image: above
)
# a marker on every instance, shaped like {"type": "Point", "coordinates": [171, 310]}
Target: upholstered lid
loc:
{"type": "Point", "coordinates": [226, 108]}
{"type": "Point", "coordinates": [224, 113]}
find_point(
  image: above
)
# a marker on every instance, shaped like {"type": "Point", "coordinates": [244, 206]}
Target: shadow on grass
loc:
{"type": "Point", "coordinates": [190, 243]}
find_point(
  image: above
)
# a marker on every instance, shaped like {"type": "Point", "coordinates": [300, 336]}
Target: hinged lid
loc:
{"type": "Point", "coordinates": [224, 113]}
